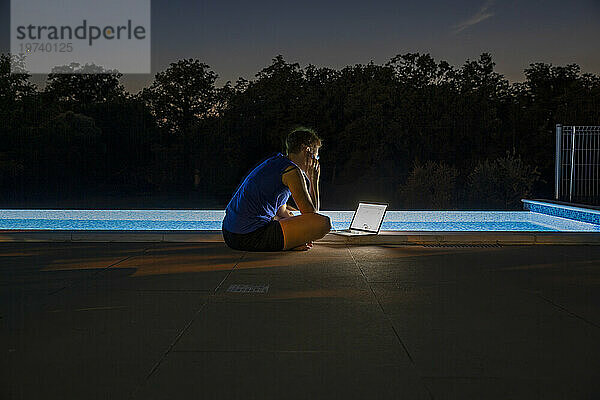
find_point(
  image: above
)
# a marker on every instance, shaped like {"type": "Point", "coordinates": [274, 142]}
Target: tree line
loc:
{"type": "Point", "coordinates": [414, 132]}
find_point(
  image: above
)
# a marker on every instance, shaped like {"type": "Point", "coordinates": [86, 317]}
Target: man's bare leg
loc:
{"type": "Point", "coordinates": [300, 230]}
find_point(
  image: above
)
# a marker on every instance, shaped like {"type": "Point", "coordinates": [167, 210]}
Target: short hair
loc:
{"type": "Point", "coordinates": [299, 137]}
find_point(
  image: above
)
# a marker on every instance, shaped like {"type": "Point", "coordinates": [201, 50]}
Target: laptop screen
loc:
{"type": "Point", "coordinates": [368, 217]}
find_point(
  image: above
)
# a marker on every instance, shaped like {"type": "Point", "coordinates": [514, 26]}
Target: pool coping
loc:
{"type": "Point", "coordinates": [384, 237]}
{"type": "Point", "coordinates": [569, 211]}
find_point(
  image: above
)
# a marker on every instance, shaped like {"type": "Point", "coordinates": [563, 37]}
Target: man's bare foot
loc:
{"type": "Point", "coordinates": [303, 247]}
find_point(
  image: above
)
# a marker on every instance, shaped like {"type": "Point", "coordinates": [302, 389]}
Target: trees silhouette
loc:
{"type": "Point", "coordinates": [182, 95]}
{"type": "Point", "coordinates": [15, 90]}
{"type": "Point", "coordinates": [414, 131]}
{"type": "Point", "coordinates": [83, 85]}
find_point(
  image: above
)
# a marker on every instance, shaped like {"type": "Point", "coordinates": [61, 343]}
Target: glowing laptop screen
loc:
{"type": "Point", "coordinates": [368, 217]}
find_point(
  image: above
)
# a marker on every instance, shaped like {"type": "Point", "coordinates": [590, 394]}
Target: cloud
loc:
{"type": "Point", "coordinates": [481, 15]}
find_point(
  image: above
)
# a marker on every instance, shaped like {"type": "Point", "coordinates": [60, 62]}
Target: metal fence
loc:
{"type": "Point", "coordinates": [577, 166]}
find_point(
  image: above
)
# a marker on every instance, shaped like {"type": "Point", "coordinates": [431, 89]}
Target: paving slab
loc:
{"type": "Point", "coordinates": [449, 388]}
{"type": "Point", "coordinates": [91, 344]}
{"type": "Point", "coordinates": [324, 272]}
{"type": "Point", "coordinates": [155, 320]}
{"type": "Point", "coordinates": [29, 272]}
{"type": "Point", "coordinates": [465, 298]}
{"type": "Point", "coordinates": [197, 266]}
{"type": "Point", "coordinates": [284, 375]}
{"type": "Point", "coordinates": [310, 285]}
{"type": "Point", "coordinates": [54, 265]}
{"type": "Point", "coordinates": [560, 346]}
{"type": "Point", "coordinates": [571, 282]}
{"type": "Point", "coordinates": [403, 263]}
{"type": "Point", "coordinates": [303, 324]}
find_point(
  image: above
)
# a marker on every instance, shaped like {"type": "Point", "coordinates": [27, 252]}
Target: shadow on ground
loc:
{"type": "Point", "coordinates": [155, 321]}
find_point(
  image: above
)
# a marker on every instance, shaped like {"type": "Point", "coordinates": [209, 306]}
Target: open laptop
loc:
{"type": "Point", "coordinates": [367, 220]}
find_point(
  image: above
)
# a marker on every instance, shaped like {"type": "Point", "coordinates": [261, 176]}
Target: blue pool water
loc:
{"type": "Point", "coordinates": [190, 220]}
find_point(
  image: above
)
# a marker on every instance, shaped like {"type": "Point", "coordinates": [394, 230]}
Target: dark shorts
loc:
{"type": "Point", "coordinates": [265, 238]}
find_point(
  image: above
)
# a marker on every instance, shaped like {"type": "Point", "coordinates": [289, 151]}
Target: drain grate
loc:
{"type": "Point", "coordinates": [464, 245]}
{"type": "Point", "coordinates": [248, 288]}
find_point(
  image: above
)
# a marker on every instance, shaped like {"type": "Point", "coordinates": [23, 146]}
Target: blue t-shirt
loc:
{"type": "Point", "coordinates": [259, 196]}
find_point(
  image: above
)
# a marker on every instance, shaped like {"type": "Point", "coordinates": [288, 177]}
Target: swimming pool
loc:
{"type": "Point", "coordinates": [208, 220]}
{"type": "Point", "coordinates": [541, 222]}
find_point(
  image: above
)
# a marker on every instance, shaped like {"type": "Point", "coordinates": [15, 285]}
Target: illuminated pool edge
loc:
{"type": "Point", "coordinates": [383, 238]}
{"type": "Point", "coordinates": [407, 237]}
{"type": "Point", "coordinates": [581, 214]}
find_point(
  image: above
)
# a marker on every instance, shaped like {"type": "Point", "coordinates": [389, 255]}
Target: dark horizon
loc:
{"type": "Point", "coordinates": [237, 39]}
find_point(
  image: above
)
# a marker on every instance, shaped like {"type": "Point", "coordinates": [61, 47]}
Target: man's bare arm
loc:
{"type": "Point", "coordinates": [314, 194]}
{"type": "Point", "coordinates": [313, 179]}
{"type": "Point", "coordinates": [284, 212]}
{"type": "Point", "coordinates": [294, 180]}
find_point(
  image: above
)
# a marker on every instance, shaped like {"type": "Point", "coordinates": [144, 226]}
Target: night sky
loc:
{"type": "Point", "coordinates": [238, 38]}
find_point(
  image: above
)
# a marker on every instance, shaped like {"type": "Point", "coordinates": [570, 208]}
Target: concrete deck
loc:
{"type": "Point", "coordinates": [155, 321]}
{"type": "Point", "coordinates": [383, 238]}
